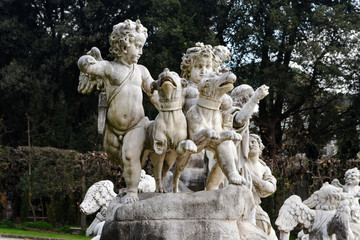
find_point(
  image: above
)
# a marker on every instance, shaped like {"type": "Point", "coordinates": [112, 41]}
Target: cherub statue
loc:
{"type": "Point", "coordinates": [245, 102]}
{"type": "Point", "coordinates": [326, 214]}
{"type": "Point", "coordinates": [352, 179]}
{"type": "Point", "coordinates": [197, 62]}
{"type": "Point", "coordinates": [263, 183]}
{"type": "Point", "coordinates": [123, 81]}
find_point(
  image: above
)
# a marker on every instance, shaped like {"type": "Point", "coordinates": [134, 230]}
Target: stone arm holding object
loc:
{"type": "Point", "coordinates": [94, 68]}
{"type": "Point", "coordinates": [248, 109]}
{"type": "Point", "coordinates": [266, 185]}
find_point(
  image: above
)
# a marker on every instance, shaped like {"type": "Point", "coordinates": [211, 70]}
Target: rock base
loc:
{"type": "Point", "coordinates": [220, 214]}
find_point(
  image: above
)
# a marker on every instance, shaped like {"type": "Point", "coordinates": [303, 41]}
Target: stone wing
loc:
{"type": "Point", "coordinates": [294, 212]}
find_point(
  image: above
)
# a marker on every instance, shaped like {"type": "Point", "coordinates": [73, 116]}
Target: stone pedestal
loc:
{"type": "Point", "coordinates": [220, 214]}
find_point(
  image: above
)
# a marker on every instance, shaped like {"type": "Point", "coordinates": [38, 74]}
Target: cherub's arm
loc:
{"type": "Point", "coordinates": [248, 109]}
{"type": "Point", "coordinates": [88, 64]}
{"type": "Point", "coordinates": [265, 186]}
{"type": "Point", "coordinates": [147, 80]}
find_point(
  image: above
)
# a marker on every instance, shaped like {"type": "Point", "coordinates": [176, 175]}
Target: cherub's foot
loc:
{"type": "Point", "coordinates": [236, 178]}
{"type": "Point", "coordinates": [230, 135]}
{"type": "Point", "coordinates": [186, 146]}
{"type": "Point", "coordinates": [130, 197]}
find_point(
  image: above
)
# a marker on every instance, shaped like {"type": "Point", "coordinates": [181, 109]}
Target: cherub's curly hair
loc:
{"type": "Point", "coordinates": [238, 94]}
{"type": "Point", "coordinates": [123, 34]}
{"type": "Point", "coordinates": [219, 55]}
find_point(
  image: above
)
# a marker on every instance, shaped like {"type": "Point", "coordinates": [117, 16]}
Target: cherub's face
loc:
{"type": "Point", "coordinates": [134, 49]}
{"type": "Point", "coordinates": [201, 66]}
{"type": "Point", "coordinates": [253, 146]}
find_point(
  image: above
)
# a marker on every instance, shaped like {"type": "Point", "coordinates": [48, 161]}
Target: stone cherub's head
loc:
{"type": "Point", "coordinates": [255, 144]}
{"type": "Point", "coordinates": [124, 34]}
{"type": "Point", "coordinates": [241, 94]}
{"type": "Point", "coordinates": [203, 59]}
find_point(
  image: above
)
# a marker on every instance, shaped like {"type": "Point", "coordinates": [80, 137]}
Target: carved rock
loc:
{"type": "Point", "coordinates": [219, 214]}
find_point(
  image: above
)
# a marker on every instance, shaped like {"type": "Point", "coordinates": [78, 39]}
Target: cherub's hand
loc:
{"type": "Point", "coordinates": [86, 83]}
{"type": "Point", "coordinates": [85, 61]}
{"type": "Point", "coordinates": [261, 92]}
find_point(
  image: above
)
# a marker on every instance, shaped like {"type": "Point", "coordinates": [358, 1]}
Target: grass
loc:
{"type": "Point", "coordinates": [29, 233]}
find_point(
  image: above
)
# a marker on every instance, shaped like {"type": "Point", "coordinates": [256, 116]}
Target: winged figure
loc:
{"type": "Point", "coordinates": [323, 216]}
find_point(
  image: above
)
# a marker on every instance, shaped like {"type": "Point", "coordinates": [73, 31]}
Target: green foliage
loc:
{"type": "Point", "coordinates": [24, 209]}
{"type": "Point", "coordinates": [38, 225]}
{"type": "Point", "coordinates": [82, 233]}
{"type": "Point", "coordinates": [37, 234]}
{"type": "Point", "coordinates": [65, 229]}
{"type": "Point", "coordinates": [7, 224]}
{"type": "Point", "coordinates": [304, 52]}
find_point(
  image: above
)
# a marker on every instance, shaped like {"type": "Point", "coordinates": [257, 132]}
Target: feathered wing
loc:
{"type": "Point", "coordinates": [95, 52]}
{"type": "Point", "coordinates": [294, 212]}
{"type": "Point", "coordinates": [87, 82]}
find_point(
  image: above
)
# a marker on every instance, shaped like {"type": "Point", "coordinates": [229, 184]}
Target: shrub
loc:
{"type": "Point", "coordinates": [7, 224]}
{"type": "Point", "coordinates": [65, 229]}
{"type": "Point", "coordinates": [39, 225]}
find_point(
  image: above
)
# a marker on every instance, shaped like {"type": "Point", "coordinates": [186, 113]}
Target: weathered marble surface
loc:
{"type": "Point", "coordinates": [206, 129]}
{"type": "Point", "coordinates": [227, 213]}
{"type": "Point", "coordinates": [98, 197]}
{"type": "Point", "coordinates": [325, 215]}
{"type": "Point", "coordinates": [123, 81]}
{"type": "Point", "coordinates": [197, 215]}
{"type": "Point", "coordinates": [263, 183]}
{"type": "Point", "coordinates": [167, 136]}
{"type": "Point", "coordinates": [351, 186]}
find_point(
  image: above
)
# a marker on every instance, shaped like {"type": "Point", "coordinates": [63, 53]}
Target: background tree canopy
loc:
{"type": "Point", "coordinates": [308, 53]}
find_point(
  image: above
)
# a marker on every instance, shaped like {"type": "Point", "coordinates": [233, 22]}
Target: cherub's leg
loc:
{"type": "Point", "coordinates": [158, 161]}
{"type": "Point", "coordinates": [112, 146]}
{"type": "Point", "coordinates": [181, 162]}
{"type": "Point", "coordinates": [132, 147]}
{"type": "Point", "coordinates": [226, 157]}
{"type": "Point", "coordinates": [216, 177]}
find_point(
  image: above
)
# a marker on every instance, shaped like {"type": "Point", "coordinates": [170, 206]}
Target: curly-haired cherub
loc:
{"type": "Point", "coordinates": [123, 81]}
{"type": "Point", "coordinates": [197, 62]}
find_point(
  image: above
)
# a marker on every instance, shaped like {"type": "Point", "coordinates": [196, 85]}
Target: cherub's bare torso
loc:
{"type": "Point", "coordinates": [124, 107]}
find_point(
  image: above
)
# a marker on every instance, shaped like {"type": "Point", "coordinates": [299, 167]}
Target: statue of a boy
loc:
{"type": "Point", "coordinates": [123, 81]}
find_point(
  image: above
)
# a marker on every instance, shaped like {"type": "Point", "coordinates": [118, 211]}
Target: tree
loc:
{"type": "Point", "coordinates": [302, 50]}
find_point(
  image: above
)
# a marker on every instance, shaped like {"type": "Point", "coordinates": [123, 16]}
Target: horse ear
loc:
{"type": "Point", "coordinates": [184, 83]}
